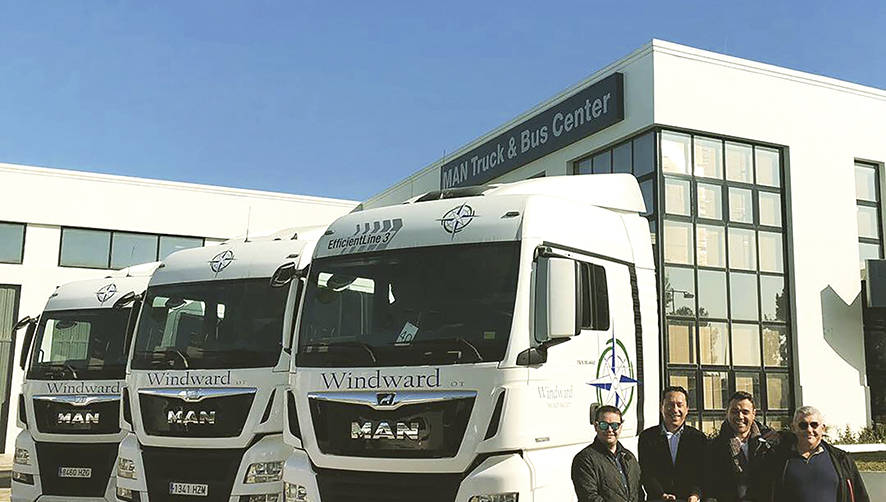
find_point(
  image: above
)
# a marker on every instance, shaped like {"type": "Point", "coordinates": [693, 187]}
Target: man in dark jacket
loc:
{"type": "Point", "coordinates": [736, 453]}
{"type": "Point", "coordinates": [672, 453]}
{"type": "Point", "coordinates": [806, 468]}
{"type": "Point", "coordinates": [605, 471]}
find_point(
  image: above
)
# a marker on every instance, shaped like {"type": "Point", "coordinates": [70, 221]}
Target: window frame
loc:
{"type": "Point", "coordinates": [110, 253]}
{"type": "Point", "coordinates": [21, 258]}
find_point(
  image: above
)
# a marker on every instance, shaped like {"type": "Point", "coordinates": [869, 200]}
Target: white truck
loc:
{"type": "Point", "coordinates": [205, 382]}
{"type": "Point", "coordinates": [75, 354]}
{"type": "Point", "coordinates": [452, 347]}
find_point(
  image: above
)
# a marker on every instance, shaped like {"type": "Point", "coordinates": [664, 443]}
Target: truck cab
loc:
{"type": "Point", "coordinates": [203, 404]}
{"type": "Point", "coordinates": [74, 355]}
{"type": "Point", "coordinates": [452, 348]}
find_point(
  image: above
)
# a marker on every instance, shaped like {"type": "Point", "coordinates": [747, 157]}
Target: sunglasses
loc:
{"type": "Point", "coordinates": [612, 425]}
{"type": "Point", "coordinates": [802, 425]}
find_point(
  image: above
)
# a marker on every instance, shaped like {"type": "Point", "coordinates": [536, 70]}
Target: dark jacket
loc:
{"type": "Point", "coordinates": [724, 471]}
{"type": "Point", "coordinates": [660, 475]}
{"type": "Point", "coordinates": [771, 476]}
{"type": "Point", "coordinates": [596, 477]}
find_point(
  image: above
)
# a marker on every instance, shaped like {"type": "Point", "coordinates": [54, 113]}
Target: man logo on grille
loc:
{"type": "Point", "coordinates": [385, 398]}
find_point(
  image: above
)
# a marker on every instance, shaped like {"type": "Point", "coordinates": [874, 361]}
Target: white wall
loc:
{"type": "Point", "coordinates": [47, 199]}
{"type": "Point", "coordinates": [826, 124]}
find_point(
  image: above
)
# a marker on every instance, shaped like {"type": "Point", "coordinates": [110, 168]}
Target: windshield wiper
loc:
{"type": "Point", "coordinates": [351, 344]}
{"type": "Point", "coordinates": [448, 342]}
{"type": "Point", "coordinates": [58, 369]}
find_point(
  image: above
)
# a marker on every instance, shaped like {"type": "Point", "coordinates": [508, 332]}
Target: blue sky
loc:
{"type": "Point", "coordinates": [343, 99]}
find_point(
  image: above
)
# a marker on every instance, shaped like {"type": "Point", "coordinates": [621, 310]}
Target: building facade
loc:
{"type": "Point", "coordinates": [763, 189]}
{"type": "Point", "coordinates": [59, 226]}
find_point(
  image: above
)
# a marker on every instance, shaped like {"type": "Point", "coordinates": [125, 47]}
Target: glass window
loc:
{"type": "Point", "coordinates": [743, 296]}
{"type": "Point", "coordinates": [713, 343]}
{"type": "Point", "coordinates": [739, 164]}
{"type": "Point", "coordinates": [685, 379]}
{"type": "Point", "coordinates": [711, 424]}
{"type": "Point", "coordinates": [170, 244]}
{"type": "Point", "coordinates": [583, 166]}
{"type": "Point", "coordinates": [675, 152]}
{"type": "Point", "coordinates": [681, 342]}
{"type": "Point", "coordinates": [745, 345]}
{"type": "Point", "coordinates": [85, 248]}
{"type": "Point", "coordinates": [708, 158]}
{"type": "Point", "coordinates": [775, 346]}
{"type": "Point", "coordinates": [678, 242]}
{"type": "Point", "coordinates": [710, 246]}
{"type": "Point", "coordinates": [710, 201]}
{"type": "Point", "coordinates": [748, 382]}
{"type": "Point", "coordinates": [741, 207]}
{"type": "Point", "coordinates": [644, 154]}
{"type": "Point", "coordinates": [868, 251]}
{"type": "Point", "coordinates": [768, 168]}
{"type": "Point", "coordinates": [621, 158]}
{"type": "Point", "coordinates": [772, 299]}
{"type": "Point", "coordinates": [867, 222]}
{"type": "Point", "coordinates": [12, 242]}
{"type": "Point", "coordinates": [646, 188]}
{"type": "Point", "coordinates": [742, 249]}
{"type": "Point", "coordinates": [680, 291]}
{"type": "Point", "coordinates": [866, 183]}
{"type": "Point", "coordinates": [777, 391]}
{"type": "Point", "coordinates": [770, 209]}
{"type": "Point", "coordinates": [711, 294]}
{"type": "Point", "coordinates": [716, 389]}
{"type": "Point", "coordinates": [778, 422]}
{"type": "Point", "coordinates": [677, 198]}
{"type": "Point", "coordinates": [131, 249]}
{"type": "Point", "coordinates": [602, 163]}
{"type": "Point", "coordinates": [771, 252]}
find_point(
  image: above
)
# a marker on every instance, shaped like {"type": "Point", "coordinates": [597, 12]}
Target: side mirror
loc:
{"type": "Point", "coordinates": [131, 322]}
{"type": "Point", "coordinates": [283, 275]}
{"type": "Point", "coordinates": [29, 338]}
{"type": "Point", "coordinates": [125, 300]}
{"type": "Point", "coordinates": [22, 323]}
{"type": "Point", "coordinates": [557, 298]}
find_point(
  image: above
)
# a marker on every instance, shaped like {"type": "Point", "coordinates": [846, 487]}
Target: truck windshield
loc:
{"type": "Point", "coordinates": [210, 325]}
{"type": "Point", "coordinates": [80, 345]}
{"type": "Point", "coordinates": [434, 305]}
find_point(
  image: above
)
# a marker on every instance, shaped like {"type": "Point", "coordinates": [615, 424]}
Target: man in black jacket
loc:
{"type": "Point", "coordinates": [605, 471]}
{"type": "Point", "coordinates": [806, 468]}
{"type": "Point", "coordinates": [736, 452]}
{"type": "Point", "coordinates": [672, 453]}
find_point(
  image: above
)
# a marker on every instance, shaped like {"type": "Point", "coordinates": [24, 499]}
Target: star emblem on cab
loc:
{"type": "Point", "coordinates": [456, 219]}
{"type": "Point", "coordinates": [221, 261]}
{"type": "Point", "coordinates": [106, 293]}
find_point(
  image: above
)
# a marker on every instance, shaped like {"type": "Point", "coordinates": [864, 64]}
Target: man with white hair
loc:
{"type": "Point", "coordinates": [805, 468]}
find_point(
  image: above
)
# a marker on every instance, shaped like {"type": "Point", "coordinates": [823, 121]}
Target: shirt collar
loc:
{"type": "Point", "coordinates": [666, 432]}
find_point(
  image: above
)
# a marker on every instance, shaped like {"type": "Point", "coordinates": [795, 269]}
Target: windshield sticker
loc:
{"type": "Point", "coordinates": [106, 293]}
{"type": "Point", "coordinates": [615, 382]}
{"type": "Point", "coordinates": [489, 335]}
{"type": "Point", "coordinates": [369, 236]}
{"type": "Point", "coordinates": [221, 261]}
{"type": "Point", "coordinates": [407, 334]}
{"type": "Point", "coordinates": [349, 381]}
{"type": "Point", "coordinates": [456, 219]}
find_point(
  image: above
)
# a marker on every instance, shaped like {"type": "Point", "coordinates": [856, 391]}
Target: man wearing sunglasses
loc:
{"type": "Point", "coordinates": [672, 452]}
{"type": "Point", "coordinates": [806, 468]}
{"type": "Point", "coordinates": [605, 471]}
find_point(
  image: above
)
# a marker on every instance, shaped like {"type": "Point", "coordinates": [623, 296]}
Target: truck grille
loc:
{"type": "Point", "coordinates": [360, 486]}
{"type": "Point", "coordinates": [421, 430]}
{"type": "Point", "coordinates": [216, 468]}
{"type": "Point", "coordinates": [64, 418]}
{"type": "Point", "coordinates": [216, 417]}
{"type": "Point", "coordinates": [99, 457]}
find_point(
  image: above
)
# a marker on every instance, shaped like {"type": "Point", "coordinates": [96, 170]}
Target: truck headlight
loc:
{"type": "Point", "coordinates": [22, 456]}
{"type": "Point", "coordinates": [264, 472]}
{"type": "Point", "coordinates": [496, 497]}
{"type": "Point", "coordinates": [295, 493]}
{"type": "Point", "coordinates": [126, 468]}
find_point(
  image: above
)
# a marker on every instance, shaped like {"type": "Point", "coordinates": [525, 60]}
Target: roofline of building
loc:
{"type": "Point", "coordinates": [177, 185]}
{"type": "Point", "coordinates": [661, 46]}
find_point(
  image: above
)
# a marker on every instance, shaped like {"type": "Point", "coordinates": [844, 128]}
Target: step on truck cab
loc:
{"type": "Point", "coordinates": [205, 383]}
{"type": "Point", "coordinates": [450, 348]}
{"type": "Point", "coordinates": [74, 354]}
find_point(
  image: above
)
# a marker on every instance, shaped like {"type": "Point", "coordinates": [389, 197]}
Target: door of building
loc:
{"type": "Point", "coordinates": [9, 299]}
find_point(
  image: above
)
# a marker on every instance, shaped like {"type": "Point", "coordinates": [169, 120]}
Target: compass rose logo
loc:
{"type": "Point", "coordinates": [615, 382]}
{"type": "Point", "coordinates": [221, 261]}
{"type": "Point", "coordinates": [106, 293]}
{"type": "Point", "coordinates": [455, 220]}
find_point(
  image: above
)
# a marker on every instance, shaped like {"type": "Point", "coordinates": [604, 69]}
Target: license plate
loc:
{"type": "Point", "coordinates": [192, 489]}
{"type": "Point", "coordinates": [75, 472]}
